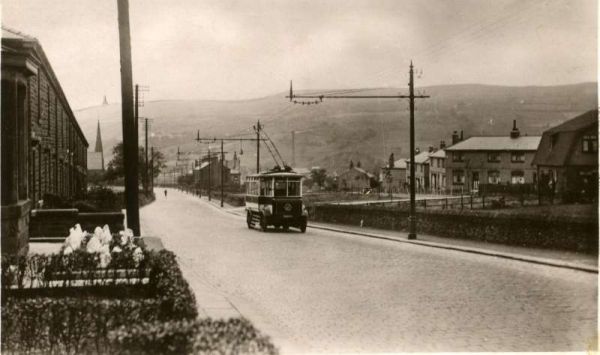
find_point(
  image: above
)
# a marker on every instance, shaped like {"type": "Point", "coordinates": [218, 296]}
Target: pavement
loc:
{"type": "Point", "coordinates": [342, 289]}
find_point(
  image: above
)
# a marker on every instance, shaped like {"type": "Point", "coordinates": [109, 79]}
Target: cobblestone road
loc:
{"type": "Point", "coordinates": [329, 292]}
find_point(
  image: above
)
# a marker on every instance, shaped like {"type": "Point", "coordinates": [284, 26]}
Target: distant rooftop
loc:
{"type": "Point", "coordinates": [498, 143]}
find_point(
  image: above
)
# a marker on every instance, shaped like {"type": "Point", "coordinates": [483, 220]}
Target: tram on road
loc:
{"type": "Point", "coordinates": [274, 198]}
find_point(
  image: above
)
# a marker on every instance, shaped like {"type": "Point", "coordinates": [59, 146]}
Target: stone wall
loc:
{"type": "Point", "coordinates": [574, 234]}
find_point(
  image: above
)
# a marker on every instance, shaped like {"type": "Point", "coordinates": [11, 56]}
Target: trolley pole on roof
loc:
{"type": "Point", "coordinates": [258, 147]}
{"type": "Point", "coordinates": [412, 234]}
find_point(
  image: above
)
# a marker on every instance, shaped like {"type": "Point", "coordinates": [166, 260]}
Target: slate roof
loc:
{"type": "Point", "coordinates": [440, 153]}
{"type": "Point", "coordinates": [420, 158]}
{"type": "Point", "coordinates": [560, 145]}
{"type": "Point", "coordinates": [497, 143]}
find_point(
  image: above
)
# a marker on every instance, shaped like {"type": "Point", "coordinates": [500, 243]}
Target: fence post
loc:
{"type": "Point", "coordinates": [446, 202]}
{"type": "Point", "coordinates": [483, 201]}
{"type": "Point", "coordinates": [471, 198]}
{"type": "Point", "coordinates": [425, 203]}
{"type": "Point", "coordinates": [462, 204]}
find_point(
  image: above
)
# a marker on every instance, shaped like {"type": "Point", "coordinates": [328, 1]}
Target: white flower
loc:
{"type": "Point", "coordinates": [73, 240]}
{"type": "Point", "coordinates": [106, 236]}
{"type": "Point", "coordinates": [104, 259]}
{"type": "Point", "coordinates": [138, 256]}
{"type": "Point", "coordinates": [68, 250]}
{"type": "Point", "coordinates": [116, 249]}
{"type": "Point", "coordinates": [126, 236]}
{"type": "Point", "coordinates": [94, 245]}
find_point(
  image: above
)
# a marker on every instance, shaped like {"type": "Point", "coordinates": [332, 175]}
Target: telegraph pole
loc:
{"type": "Point", "coordinates": [146, 153]}
{"type": "Point", "coordinates": [412, 234]}
{"type": "Point", "coordinates": [258, 147]}
{"type": "Point", "coordinates": [209, 175]}
{"type": "Point", "coordinates": [222, 171]}
{"type": "Point", "coordinates": [129, 120]}
{"type": "Point", "coordinates": [412, 230]}
{"type": "Point", "coordinates": [214, 139]}
{"type": "Point", "coordinates": [152, 169]}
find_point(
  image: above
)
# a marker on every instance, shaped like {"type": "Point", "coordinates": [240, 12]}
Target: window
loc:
{"type": "Point", "coordinates": [590, 144]}
{"type": "Point", "coordinates": [493, 157]}
{"type": "Point", "coordinates": [517, 157]}
{"type": "Point", "coordinates": [517, 177]}
{"type": "Point", "coordinates": [493, 177]}
{"type": "Point", "coordinates": [293, 188]}
{"type": "Point", "coordinates": [458, 177]}
{"type": "Point", "coordinates": [266, 187]}
{"type": "Point", "coordinates": [280, 188]}
{"type": "Point", "coordinates": [553, 140]}
{"type": "Point", "coordinates": [457, 156]}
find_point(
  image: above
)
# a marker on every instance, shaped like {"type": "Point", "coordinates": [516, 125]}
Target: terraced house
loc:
{"type": "Point", "coordinates": [43, 147]}
{"type": "Point", "coordinates": [487, 160]}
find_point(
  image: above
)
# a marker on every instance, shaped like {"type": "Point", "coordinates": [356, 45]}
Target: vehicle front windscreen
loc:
{"type": "Point", "coordinates": [293, 188]}
{"type": "Point", "coordinates": [287, 187]}
{"type": "Point", "coordinates": [280, 188]}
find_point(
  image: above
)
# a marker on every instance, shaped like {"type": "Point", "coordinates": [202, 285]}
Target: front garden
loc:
{"type": "Point", "coordinates": [107, 293]}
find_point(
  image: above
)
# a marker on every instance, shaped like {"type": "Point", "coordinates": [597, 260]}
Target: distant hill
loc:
{"type": "Point", "coordinates": [332, 133]}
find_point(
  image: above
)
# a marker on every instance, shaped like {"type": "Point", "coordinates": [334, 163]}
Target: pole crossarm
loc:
{"type": "Point", "coordinates": [214, 140]}
{"type": "Point", "coordinates": [321, 97]}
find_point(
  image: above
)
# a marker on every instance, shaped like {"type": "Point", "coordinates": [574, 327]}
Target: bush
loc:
{"type": "Point", "coordinates": [233, 336]}
{"type": "Point", "coordinates": [78, 321]}
{"type": "Point", "coordinates": [104, 198]}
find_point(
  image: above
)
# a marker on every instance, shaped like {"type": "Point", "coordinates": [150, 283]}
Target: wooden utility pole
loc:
{"type": "Point", "coordinates": [146, 153]}
{"type": "Point", "coordinates": [130, 137]}
{"type": "Point", "coordinates": [152, 169]}
{"type": "Point", "coordinates": [222, 171]}
{"type": "Point", "coordinates": [214, 139]}
{"type": "Point", "coordinates": [257, 128]}
{"type": "Point", "coordinates": [411, 96]}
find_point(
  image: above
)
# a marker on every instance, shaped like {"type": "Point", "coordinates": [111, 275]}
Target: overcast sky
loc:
{"type": "Point", "coordinates": [234, 49]}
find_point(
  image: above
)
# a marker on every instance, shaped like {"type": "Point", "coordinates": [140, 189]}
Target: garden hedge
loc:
{"type": "Point", "coordinates": [71, 321]}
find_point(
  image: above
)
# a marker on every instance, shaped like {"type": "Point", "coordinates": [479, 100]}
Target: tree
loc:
{"type": "Point", "coordinates": [318, 176]}
{"type": "Point", "coordinates": [391, 161]}
{"type": "Point", "coordinates": [351, 164]}
{"type": "Point", "coordinates": [116, 170]}
{"type": "Point", "coordinates": [358, 165]}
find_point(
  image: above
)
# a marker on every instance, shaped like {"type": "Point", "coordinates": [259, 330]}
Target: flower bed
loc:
{"type": "Point", "coordinates": [70, 318]}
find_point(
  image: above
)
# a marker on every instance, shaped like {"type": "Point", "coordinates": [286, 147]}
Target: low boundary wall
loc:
{"type": "Point", "coordinates": [573, 234]}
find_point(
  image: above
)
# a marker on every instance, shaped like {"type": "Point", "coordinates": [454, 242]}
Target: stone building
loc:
{"type": "Point", "coordinates": [499, 160]}
{"type": "Point", "coordinates": [437, 170]}
{"type": "Point", "coordinates": [355, 179]}
{"type": "Point", "coordinates": [421, 171]}
{"type": "Point", "coordinates": [206, 169]}
{"type": "Point", "coordinates": [43, 147]}
{"type": "Point", "coordinates": [394, 180]}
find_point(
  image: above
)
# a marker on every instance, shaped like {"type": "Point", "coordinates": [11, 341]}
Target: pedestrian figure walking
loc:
{"type": "Point", "coordinates": [165, 193]}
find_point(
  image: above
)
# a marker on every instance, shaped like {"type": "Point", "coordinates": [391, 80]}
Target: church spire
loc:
{"type": "Point", "coordinates": [105, 102]}
{"type": "Point", "coordinates": [99, 145]}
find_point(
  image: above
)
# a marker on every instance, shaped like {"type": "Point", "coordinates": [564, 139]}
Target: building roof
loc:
{"type": "Point", "coordinates": [580, 122]}
{"type": "Point", "coordinates": [497, 143]}
{"type": "Point", "coordinates": [440, 153]}
{"type": "Point", "coordinates": [420, 158]}
{"type": "Point", "coordinates": [15, 43]}
{"type": "Point", "coordinates": [560, 145]}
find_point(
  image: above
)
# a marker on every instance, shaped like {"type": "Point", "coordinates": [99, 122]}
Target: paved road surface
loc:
{"type": "Point", "coordinates": [330, 292]}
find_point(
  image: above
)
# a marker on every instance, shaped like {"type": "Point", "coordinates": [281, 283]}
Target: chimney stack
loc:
{"type": "Point", "coordinates": [461, 135]}
{"type": "Point", "coordinates": [455, 138]}
{"type": "Point", "coordinates": [431, 149]}
{"type": "Point", "coordinates": [417, 150]}
{"type": "Point", "coordinates": [515, 131]}
{"type": "Point", "coordinates": [442, 144]}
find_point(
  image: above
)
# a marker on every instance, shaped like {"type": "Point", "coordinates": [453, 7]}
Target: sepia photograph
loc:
{"type": "Point", "coordinates": [299, 176]}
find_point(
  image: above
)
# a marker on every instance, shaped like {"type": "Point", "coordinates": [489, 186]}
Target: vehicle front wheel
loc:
{"type": "Point", "coordinates": [263, 223]}
{"type": "Point", "coordinates": [303, 227]}
{"type": "Point", "coordinates": [249, 220]}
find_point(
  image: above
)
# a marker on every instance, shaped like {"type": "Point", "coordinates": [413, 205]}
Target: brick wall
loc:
{"type": "Point", "coordinates": [544, 232]}
{"type": "Point", "coordinates": [55, 169]}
